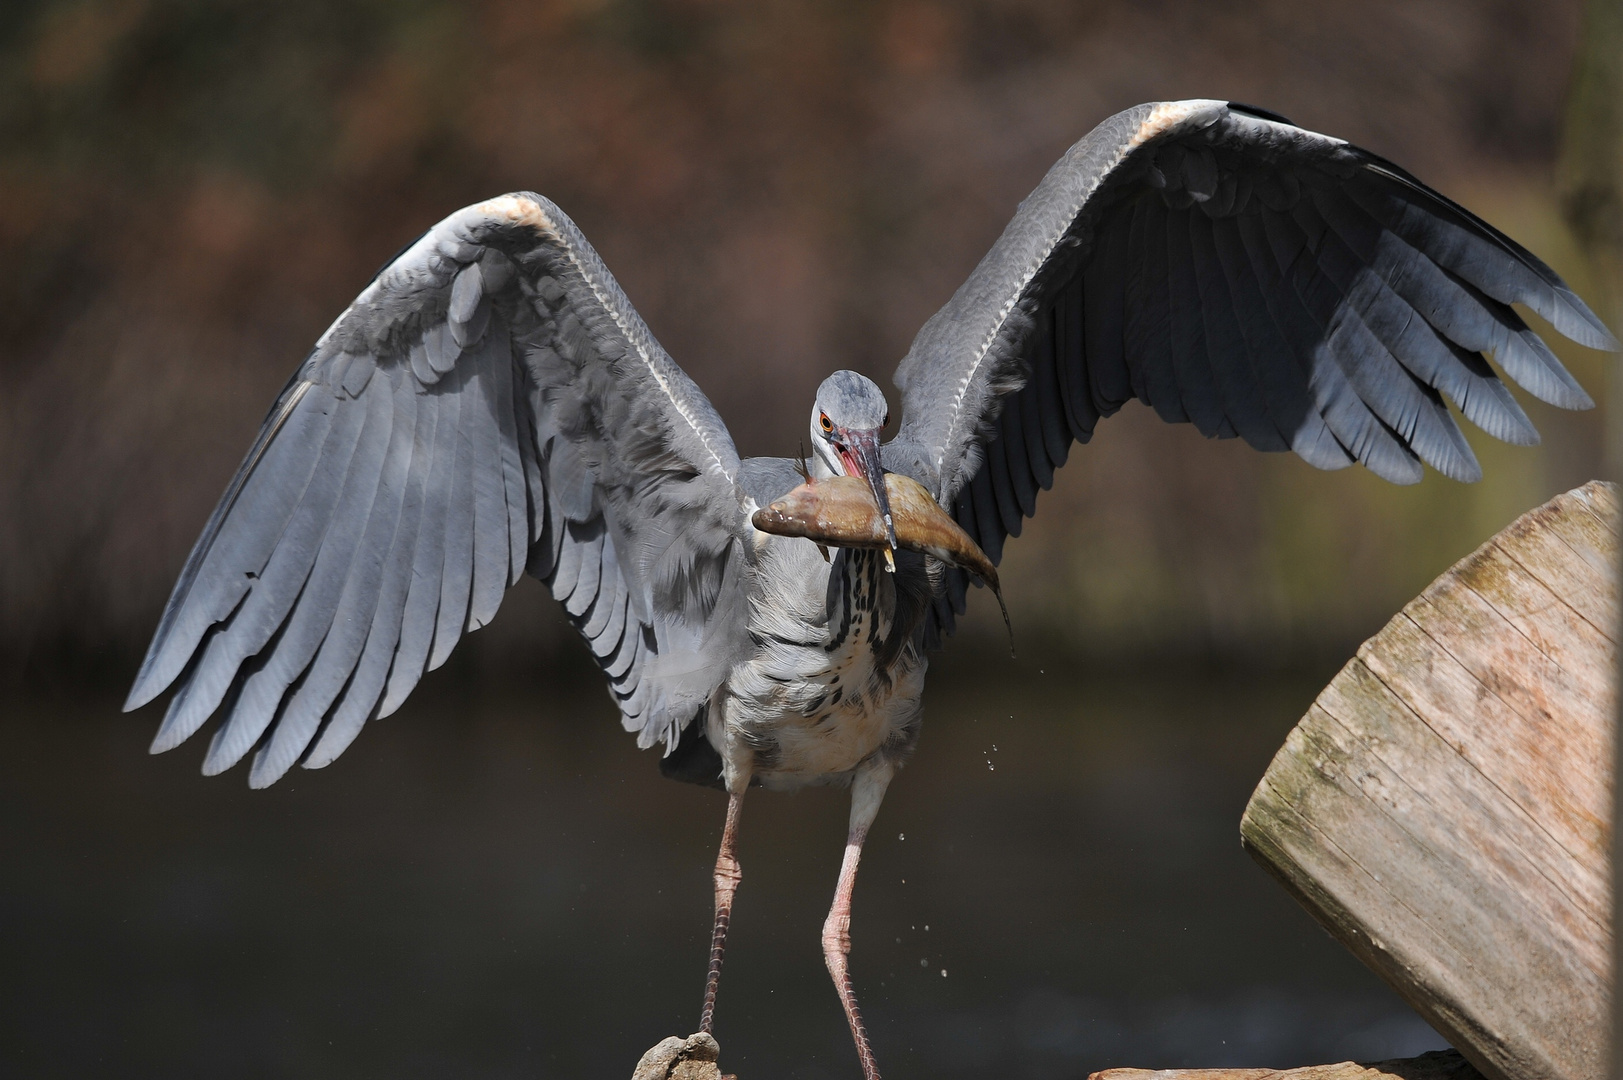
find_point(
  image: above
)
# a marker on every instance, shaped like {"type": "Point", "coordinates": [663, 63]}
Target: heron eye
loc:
{"type": "Point", "coordinates": [828, 425]}
{"type": "Point", "coordinates": [886, 421]}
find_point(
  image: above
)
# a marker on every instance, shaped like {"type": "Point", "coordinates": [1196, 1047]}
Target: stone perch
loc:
{"type": "Point", "coordinates": [676, 1058]}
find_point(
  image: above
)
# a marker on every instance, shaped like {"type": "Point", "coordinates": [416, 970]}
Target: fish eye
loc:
{"type": "Point", "coordinates": [828, 425]}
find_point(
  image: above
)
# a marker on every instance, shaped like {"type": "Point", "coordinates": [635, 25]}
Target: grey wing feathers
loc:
{"type": "Point", "coordinates": [490, 403]}
{"type": "Point", "coordinates": [1242, 274]}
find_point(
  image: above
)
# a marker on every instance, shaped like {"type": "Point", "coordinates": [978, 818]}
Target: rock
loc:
{"type": "Point", "coordinates": [675, 1058]}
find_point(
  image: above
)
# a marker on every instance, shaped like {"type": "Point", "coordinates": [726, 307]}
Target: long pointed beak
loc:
{"type": "Point", "coordinates": [860, 448]}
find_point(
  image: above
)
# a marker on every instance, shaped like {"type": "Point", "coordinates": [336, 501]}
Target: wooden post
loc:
{"type": "Point", "coordinates": [1439, 1065]}
{"type": "Point", "coordinates": [1444, 808]}
{"type": "Point", "coordinates": [1591, 183]}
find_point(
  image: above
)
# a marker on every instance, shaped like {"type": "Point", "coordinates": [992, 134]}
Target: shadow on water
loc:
{"type": "Point", "coordinates": [496, 883]}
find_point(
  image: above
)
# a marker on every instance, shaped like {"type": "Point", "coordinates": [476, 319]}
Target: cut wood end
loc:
{"type": "Point", "coordinates": [1438, 1065]}
{"type": "Point", "coordinates": [1444, 807]}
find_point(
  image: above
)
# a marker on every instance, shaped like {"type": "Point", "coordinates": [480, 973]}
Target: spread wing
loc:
{"type": "Point", "coordinates": [491, 403]}
{"type": "Point", "coordinates": [1237, 272]}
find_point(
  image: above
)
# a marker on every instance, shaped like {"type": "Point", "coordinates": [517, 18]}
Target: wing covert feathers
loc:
{"type": "Point", "coordinates": [491, 403]}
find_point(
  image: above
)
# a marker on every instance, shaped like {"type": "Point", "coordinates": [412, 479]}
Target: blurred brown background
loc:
{"type": "Point", "coordinates": [190, 190]}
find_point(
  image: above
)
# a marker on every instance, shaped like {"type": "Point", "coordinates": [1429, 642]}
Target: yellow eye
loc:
{"type": "Point", "coordinates": [828, 425]}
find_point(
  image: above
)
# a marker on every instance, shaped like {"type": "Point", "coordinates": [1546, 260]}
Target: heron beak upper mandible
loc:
{"type": "Point", "coordinates": [859, 450]}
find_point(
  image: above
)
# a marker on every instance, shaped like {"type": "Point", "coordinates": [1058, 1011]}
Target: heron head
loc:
{"type": "Point", "coordinates": [849, 413]}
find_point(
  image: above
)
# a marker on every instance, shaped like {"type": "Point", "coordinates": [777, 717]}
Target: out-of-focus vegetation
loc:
{"type": "Point", "coordinates": [190, 190]}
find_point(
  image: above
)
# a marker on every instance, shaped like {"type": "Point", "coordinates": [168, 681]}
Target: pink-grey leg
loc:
{"type": "Point", "coordinates": [728, 875]}
{"type": "Point", "coordinates": [866, 793]}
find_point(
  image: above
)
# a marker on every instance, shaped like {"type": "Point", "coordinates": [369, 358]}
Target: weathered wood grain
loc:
{"type": "Point", "coordinates": [1444, 808]}
{"type": "Point", "coordinates": [1442, 1065]}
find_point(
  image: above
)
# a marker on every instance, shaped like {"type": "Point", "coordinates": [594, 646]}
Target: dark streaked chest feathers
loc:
{"type": "Point", "coordinates": [837, 670]}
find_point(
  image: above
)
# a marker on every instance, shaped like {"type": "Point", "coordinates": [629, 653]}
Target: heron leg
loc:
{"type": "Point", "coordinates": [728, 875]}
{"type": "Point", "coordinates": [866, 793]}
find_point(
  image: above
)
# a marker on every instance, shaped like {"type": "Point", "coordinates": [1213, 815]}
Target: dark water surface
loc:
{"type": "Point", "coordinates": [496, 883]}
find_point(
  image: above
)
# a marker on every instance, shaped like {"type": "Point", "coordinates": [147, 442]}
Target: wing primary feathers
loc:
{"type": "Point", "coordinates": [1467, 316]}
{"type": "Point", "coordinates": [515, 441]}
{"type": "Point", "coordinates": [1099, 351]}
{"type": "Point", "coordinates": [1244, 402]}
{"type": "Point", "coordinates": [547, 531]}
{"type": "Point", "coordinates": [228, 707]}
{"type": "Point", "coordinates": [1388, 409]}
{"type": "Point", "coordinates": [456, 582]}
{"type": "Point", "coordinates": [230, 555]}
{"type": "Point", "coordinates": [987, 515]}
{"type": "Point", "coordinates": [1525, 357]}
{"type": "Point", "coordinates": [1344, 298]}
{"type": "Point", "coordinates": [1054, 395]}
{"type": "Point", "coordinates": [1464, 244]}
{"type": "Point", "coordinates": [1279, 375]}
{"type": "Point", "coordinates": [1191, 364]}
{"type": "Point", "coordinates": [1378, 259]}
{"type": "Point", "coordinates": [1012, 442]}
{"type": "Point", "coordinates": [1348, 419]}
{"type": "Point", "coordinates": [1149, 341]}
{"type": "Point", "coordinates": [491, 534]}
{"type": "Point", "coordinates": [1039, 402]}
{"type": "Point", "coordinates": [997, 468]}
{"type": "Point", "coordinates": [279, 583]}
{"type": "Point", "coordinates": [334, 666]}
{"type": "Point", "coordinates": [420, 616]}
{"type": "Point", "coordinates": [265, 692]}
{"type": "Point", "coordinates": [1070, 366]}
{"type": "Point", "coordinates": [362, 697]}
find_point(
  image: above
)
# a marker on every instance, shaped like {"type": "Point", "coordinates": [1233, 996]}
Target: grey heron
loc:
{"type": "Point", "coordinates": [492, 404]}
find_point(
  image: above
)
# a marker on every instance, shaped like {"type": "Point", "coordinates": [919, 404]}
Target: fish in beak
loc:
{"type": "Point", "coordinates": [859, 452]}
{"type": "Point", "coordinates": [840, 512]}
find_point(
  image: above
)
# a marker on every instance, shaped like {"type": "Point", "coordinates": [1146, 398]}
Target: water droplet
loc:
{"type": "Point", "coordinates": [926, 928]}
{"type": "Point", "coordinates": [898, 941]}
{"type": "Point", "coordinates": [924, 961]}
{"type": "Point", "coordinates": [994, 748]}
{"type": "Point", "coordinates": [901, 836]}
{"type": "Point", "coordinates": [943, 973]}
{"type": "Point", "coordinates": [989, 767]}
